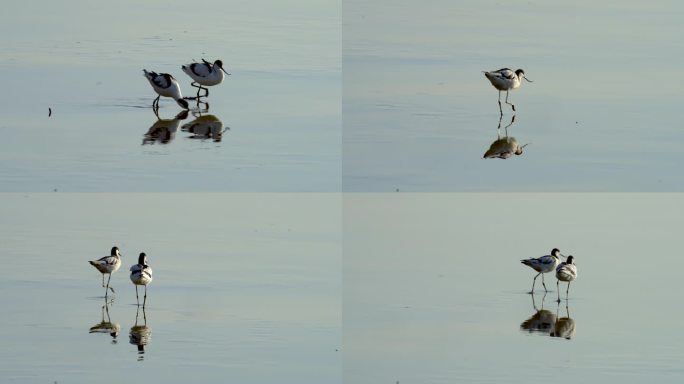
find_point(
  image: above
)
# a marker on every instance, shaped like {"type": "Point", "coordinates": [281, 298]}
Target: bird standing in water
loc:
{"type": "Point", "coordinates": [108, 265]}
{"type": "Point", "coordinates": [141, 274]}
{"type": "Point", "coordinates": [566, 271]}
{"type": "Point", "coordinates": [505, 79]}
{"type": "Point", "coordinates": [544, 264]}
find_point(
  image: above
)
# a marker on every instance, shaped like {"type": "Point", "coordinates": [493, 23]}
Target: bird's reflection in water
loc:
{"type": "Point", "coordinates": [140, 335]}
{"type": "Point", "coordinates": [542, 320]}
{"type": "Point", "coordinates": [164, 130]}
{"type": "Point", "coordinates": [205, 127]}
{"type": "Point", "coordinates": [564, 326]}
{"type": "Point", "coordinates": [503, 148]}
{"type": "Point", "coordinates": [106, 326]}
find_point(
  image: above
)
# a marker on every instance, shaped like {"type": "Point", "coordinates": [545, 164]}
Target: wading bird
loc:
{"type": "Point", "coordinates": [205, 74]}
{"type": "Point", "coordinates": [167, 86]}
{"type": "Point", "coordinates": [141, 274]}
{"type": "Point", "coordinates": [566, 271]}
{"type": "Point", "coordinates": [108, 264]}
{"type": "Point", "coordinates": [504, 80]}
{"type": "Point", "coordinates": [544, 264]}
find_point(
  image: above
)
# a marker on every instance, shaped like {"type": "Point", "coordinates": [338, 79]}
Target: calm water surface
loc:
{"type": "Point", "coordinates": [602, 114]}
{"type": "Point", "coordinates": [281, 103]}
{"type": "Point", "coordinates": [434, 291]}
{"type": "Point", "coordinates": [246, 288]}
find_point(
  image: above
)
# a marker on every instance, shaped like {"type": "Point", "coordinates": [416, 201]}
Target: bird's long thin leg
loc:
{"type": "Point", "coordinates": [103, 281]}
{"type": "Point", "coordinates": [206, 91]}
{"type": "Point", "coordinates": [500, 110]}
{"type": "Point", "coordinates": [136, 295]}
{"type": "Point", "coordinates": [155, 103]}
{"type": "Point", "coordinates": [145, 299]}
{"type": "Point", "coordinates": [110, 278]}
{"type": "Point", "coordinates": [558, 290]}
{"type": "Point", "coordinates": [545, 290]}
{"type": "Point", "coordinates": [534, 281]}
{"type": "Point", "coordinates": [567, 291]}
{"type": "Point", "coordinates": [511, 104]}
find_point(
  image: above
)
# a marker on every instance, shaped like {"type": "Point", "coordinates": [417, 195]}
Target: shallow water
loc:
{"type": "Point", "coordinates": [281, 102]}
{"type": "Point", "coordinates": [246, 288]}
{"type": "Point", "coordinates": [434, 291]}
{"type": "Point", "coordinates": [602, 114]}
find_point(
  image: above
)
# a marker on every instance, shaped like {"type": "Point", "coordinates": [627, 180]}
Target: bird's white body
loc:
{"type": "Point", "coordinates": [566, 271]}
{"type": "Point", "coordinates": [544, 264]}
{"type": "Point", "coordinates": [108, 265]}
{"type": "Point", "coordinates": [141, 274]}
{"type": "Point", "coordinates": [165, 85]}
{"type": "Point", "coordinates": [504, 79]}
{"type": "Point", "coordinates": [204, 73]}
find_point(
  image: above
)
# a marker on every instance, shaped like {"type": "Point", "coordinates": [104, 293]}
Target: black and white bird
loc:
{"type": "Point", "coordinates": [205, 74]}
{"type": "Point", "coordinates": [505, 79]}
{"type": "Point", "coordinates": [544, 264]}
{"type": "Point", "coordinates": [141, 274]}
{"type": "Point", "coordinates": [108, 265]}
{"type": "Point", "coordinates": [566, 271]}
{"type": "Point", "coordinates": [167, 86]}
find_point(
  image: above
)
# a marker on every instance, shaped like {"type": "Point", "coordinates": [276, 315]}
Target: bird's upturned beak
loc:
{"type": "Point", "coordinates": [224, 71]}
{"type": "Point", "coordinates": [528, 79]}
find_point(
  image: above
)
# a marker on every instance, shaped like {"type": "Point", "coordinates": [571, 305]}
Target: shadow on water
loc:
{"type": "Point", "coordinates": [164, 130]}
{"type": "Point", "coordinates": [503, 148]}
{"type": "Point", "coordinates": [140, 335]}
{"type": "Point", "coordinates": [203, 127]}
{"type": "Point", "coordinates": [541, 321]}
{"type": "Point", "coordinates": [107, 326]}
{"type": "Point", "coordinates": [565, 326]}
{"type": "Point", "coordinates": [545, 322]}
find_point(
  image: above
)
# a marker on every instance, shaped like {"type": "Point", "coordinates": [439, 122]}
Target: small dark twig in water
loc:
{"type": "Point", "coordinates": [49, 111]}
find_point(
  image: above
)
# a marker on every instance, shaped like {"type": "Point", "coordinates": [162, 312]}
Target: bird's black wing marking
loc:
{"type": "Point", "coordinates": [193, 68]}
{"type": "Point", "coordinates": [163, 80]}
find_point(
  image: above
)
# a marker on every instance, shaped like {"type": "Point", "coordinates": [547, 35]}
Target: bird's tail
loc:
{"type": "Point", "coordinates": [92, 262]}
{"type": "Point", "coordinates": [149, 74]}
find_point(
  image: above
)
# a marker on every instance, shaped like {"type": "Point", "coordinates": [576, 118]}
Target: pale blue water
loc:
{"type": "Point", "coordinates": [602, 114]}
{"type": "Point", "coordinates": [247, 288]}
{"type": "Point", "coordinates": [281, 102]}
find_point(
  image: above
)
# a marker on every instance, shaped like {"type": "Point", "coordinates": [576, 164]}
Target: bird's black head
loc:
{"type": "Point", "coordinates": [219, 64]}
{"type": "Point", "coordinates": [520, 73]}
{"type": "Point", "coordinates": [115, 250]}
{"type": "Point", "coordinates": [142, 259]}
{"type": "Point", "coordinates": [570, 259]}
{"type": "Point", "coordinates": [183, 103]}
{"type": "Point", "coordinates": [555, 251]}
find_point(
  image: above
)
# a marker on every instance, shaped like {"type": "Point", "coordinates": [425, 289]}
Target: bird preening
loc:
{"type": "Point", "coordinates": [506, 79]}
{"type": "Point", "coordinates": [204, 74]}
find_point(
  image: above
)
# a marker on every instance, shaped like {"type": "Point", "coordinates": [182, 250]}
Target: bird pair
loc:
{"type": "Point", "coordinates": [505, 79]}
{"type": "Point", "coordinates": [565, 271]}
{"type": "Point", "coordinates": [141, 273]}
{"type": "Point", "coordinates": [203, 74]}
